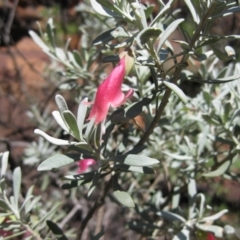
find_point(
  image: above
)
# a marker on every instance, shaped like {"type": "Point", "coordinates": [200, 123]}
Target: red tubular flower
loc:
{"type": "Point", "coordinates": [109, 93]}
{"type": "Point", "coordinates": [84, 164]}
{"type": "Point", "coordinates": [210, 236]}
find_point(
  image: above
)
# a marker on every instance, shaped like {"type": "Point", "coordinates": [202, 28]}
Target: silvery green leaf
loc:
{"type": "Point", "coordinates": [171, 216]}
{"type": "Point", "coordinates": [61, 103]}
{"type": "Point", "coordinates": [228, 230]}
{"type": "Point", "coordinates": [124, 198]}
{"type": "Point", "coordinates": [230, 51]}
{"type": "Point", "coordinates": [220, 171]}
{"type": "Point", "coordinates": [170, 29]}
{"type": "Point", "coordinates": [81, 115]}
{"type": "Point", "coordinates": [72, 123]}
{"type": "Point", "coordinates": [102, 10]}
{"type": "Point", "coordinates": [54, 162]}
{"type": "Point", "coordinates": [215, 216]}
{"type": "Point", "coordinates": [147, 33]}
{"type": "Point", "coordinates": [176, 198]}
{"type": "Point", "coordinates": [177, 156]}
{"type": "Point", "coordinates": [53, 140]}
{"type": "Point", "coordinates": [202, 204]}
{"type": "Point", "coordinates": [202, 139]}
{"type": "Point", "coordinates": [177, 91]}
{"type": "Point", "coordinates": [136, 160]}
{"type": "Point", "coordinates": [216, 230]}
{"type": "Point", "coordinates": [140, 16]}
{"type": "Point", "coordinates": [4, 163]}
{"type": "Point", "coordinates": [193, 11]}
{"type": "Point", "coordinates": [192, 191]}
{"type": "Point", "coordinates": [58, 117]}
{"type": "Point", "coordinates": [163, 11]}
{"type": "Point", "coordinates": [60, 54]}
{"type": "Point", "coordinates": [38, 41]}
{"type": "Point", "coordinates": [17, 179]}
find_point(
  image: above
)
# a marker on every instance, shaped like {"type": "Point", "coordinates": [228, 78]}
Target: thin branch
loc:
{"type": "Point", "coordinates": [99, 202]}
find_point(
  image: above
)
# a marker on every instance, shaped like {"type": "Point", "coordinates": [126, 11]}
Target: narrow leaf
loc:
{"type": "Point", "coordinates": [101, 10]}
{"type": "Point", "coordinates": [220, 171]}
{"type": "Point", "coordinates": [124, 198]}
{"type": "Point", "coordinates": [136, 160]}
{"type": "Point", "coordinates": [53, 140]}
{"type": "Point", "coordinates": [163, 10]}
{"type": "Point", "coordinates": [56, 230]}
{"type": "Point", "coordinates": [59, 120]}
{"type": "Point", "coordinates": [72, 123]}
{"type": "Point", "coordinates": [177, 91]}
{"type": "Point", "coordinates": [4, 163]}
{"type": "Point", "coordinates": [170, 29]}
{"type": "Point", "coordinates": [38, 41]}
{"type": "Point", "coordinates": [192, 10]}
{"type": "Point", "coordinates": [81, 115]}
{"type": "Point", "coordinates": [215, 216]}
{"type": "Point", "coordinates": [61, 103]}
{"type": "Point", "coordinates": [17, 179]}
{"type": "Point", "coordinates": [54, 162]}
{"type": "Point", "coordinates": [147, 33]}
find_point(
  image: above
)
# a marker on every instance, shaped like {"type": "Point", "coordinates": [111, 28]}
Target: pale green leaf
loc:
{"type": "Point", "coordinates": [54, 162]}
{"type": "Point", "coordinates": [124, 198]}
{"type": "Point", "coordinates": [72, 123]}
{"type": "Point", "coordinates": [4, 163]}
{"type": "Point", "coordinates": [170, 29]}
{"type": "Point", "coordinates": [17, 179]}
{"type": "Point", "coordinates": [136, 160]}
{"type": "Point", "coordinates": [177, 91]}
{"type": "Point", "coordinates": [59, 120]}
{"type": "Point", "coordinates": [53, 140]}
{"type": "Point", "coordinates": [81, 115]}
{"type": "Point", "coordinates": [220, 171]}
{"type": "Point", "coordinates": [61, 103]}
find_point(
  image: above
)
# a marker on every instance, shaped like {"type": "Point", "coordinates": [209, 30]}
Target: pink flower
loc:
{"type": "Point", "coordinates": [210, 236]}
{"type": "Point", "coordinates": [109, 93]}
{"type": "Point", "coordinates": [84, 164]}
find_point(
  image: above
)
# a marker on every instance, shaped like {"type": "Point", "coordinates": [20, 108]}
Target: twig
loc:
{"type": "Point", "coordinates": [8, 25]}
{"type": "Point", "coordinates": [99, 202]}
{"type": "Point", "coordinates": [177, 73]}
{"type": "Point", "coordinates": [70, 215]}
